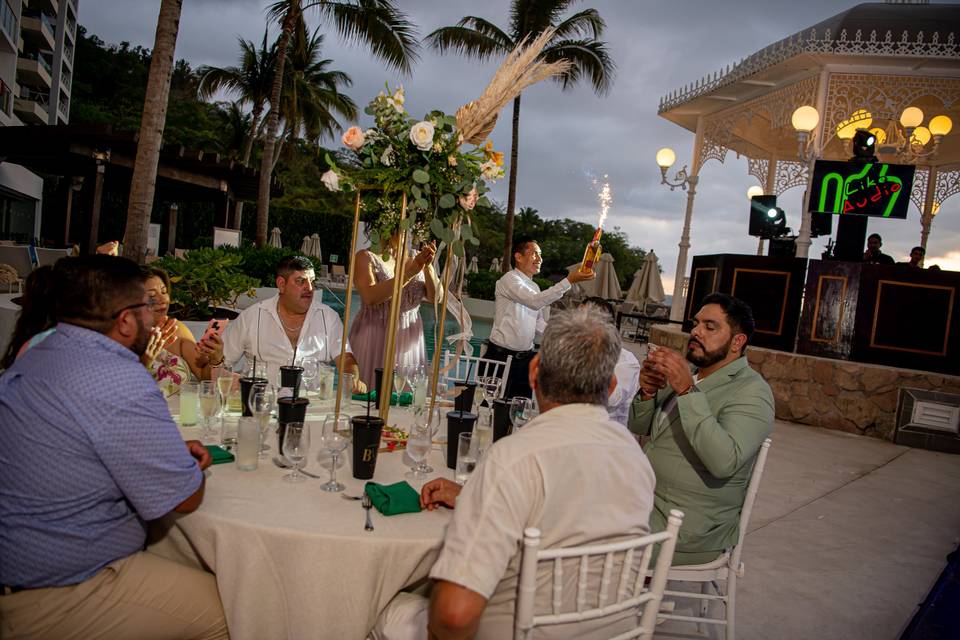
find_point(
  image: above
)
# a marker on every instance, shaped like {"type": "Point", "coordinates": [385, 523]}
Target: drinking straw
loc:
{"type": "Point", "coordinates": [254, 367]}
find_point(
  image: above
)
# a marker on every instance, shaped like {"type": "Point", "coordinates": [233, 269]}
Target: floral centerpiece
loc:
{"type": "Point", "coordinates": [423, 159]}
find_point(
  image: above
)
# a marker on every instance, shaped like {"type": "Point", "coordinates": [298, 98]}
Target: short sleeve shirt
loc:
{"type": "Point", "coordinates": [573, 473]}
{"type": "Point", "coordinates": [88, 454]}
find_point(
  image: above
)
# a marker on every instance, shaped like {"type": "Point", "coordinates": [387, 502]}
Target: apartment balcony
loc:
{"type": "Point", "coordinates": [8, 28]}
{"type": "Point", "coordinates": [34, 70]}
{"type": "Point", "coordinates": [50, 6]}
{"type": "Point", "coordinates": [31, 107]}
{"type": "Point", "coordinates": [38, 29]}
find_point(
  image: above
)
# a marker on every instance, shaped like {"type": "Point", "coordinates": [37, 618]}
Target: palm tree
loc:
{"type": "Point", "coordinates": [251, 81]}
{"type": "Point", "coordinates": [144, 181]}
{"type": "Point", "coordinates": [575, 39]}
{"type": "Point", "coordinates": [311, 100]}
{"type": "Point", "coordinates": [378, 23]}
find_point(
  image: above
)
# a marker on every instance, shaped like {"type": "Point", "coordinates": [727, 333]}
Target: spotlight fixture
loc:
{"type": "Point", "coordinates": [864, 146]}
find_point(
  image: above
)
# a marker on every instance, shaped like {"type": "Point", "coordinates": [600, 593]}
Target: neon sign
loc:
{"type": "Point", "coordinates": [875, 189]}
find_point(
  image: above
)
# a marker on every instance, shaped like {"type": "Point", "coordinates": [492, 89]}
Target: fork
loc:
{"type": "Point", "coordinates": [367, 504]}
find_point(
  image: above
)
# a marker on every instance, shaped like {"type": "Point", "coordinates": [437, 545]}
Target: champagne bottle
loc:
{"type": "Point", "coordinates": [592, 253]}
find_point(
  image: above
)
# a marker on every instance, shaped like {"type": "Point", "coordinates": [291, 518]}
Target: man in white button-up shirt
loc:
{"type": "Point", "coordinates": [272, 329]}
{"type": "Point", "coordinates": [627, 372]}
{"type": "Point", "coordinates": [519, 312]}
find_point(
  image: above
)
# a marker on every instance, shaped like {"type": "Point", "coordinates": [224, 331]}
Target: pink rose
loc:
{"type": "Point", "coordinates": [469, 201]}
{"type": "Point", "coordinates": [353, 138]}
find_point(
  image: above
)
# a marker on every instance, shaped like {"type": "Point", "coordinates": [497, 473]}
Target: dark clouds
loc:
{"type": "Point", "coordinates": [566, 135]}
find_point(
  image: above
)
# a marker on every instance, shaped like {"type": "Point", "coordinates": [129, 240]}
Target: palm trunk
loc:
{"type": "Point", "coordinates": [247, 152]}
{"type": "Point", "coordinates": [152, 121]}
{"type": "Point", "coordinates": [512, 193]}
{"type": "Point", "coordinates": [273, 120]}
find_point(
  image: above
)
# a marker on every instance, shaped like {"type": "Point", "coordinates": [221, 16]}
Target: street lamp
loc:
{"type": "Point", "coordinates": [665, 159]}
{"type": "Point", "coordinates": [805, 120]}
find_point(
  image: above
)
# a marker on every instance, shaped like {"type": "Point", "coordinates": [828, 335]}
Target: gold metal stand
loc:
{"type": "Point", "coordinates": [348, 297]}
{"type": "Point", "coordinates": [390, 355]}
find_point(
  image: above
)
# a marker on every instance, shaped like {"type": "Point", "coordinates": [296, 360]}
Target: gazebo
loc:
{"type": "Point", "coordinates": [860, 68]}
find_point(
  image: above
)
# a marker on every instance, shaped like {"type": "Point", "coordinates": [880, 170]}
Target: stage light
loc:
{"type": "Point", "coordinates": [772, 213]}
{"type": "Point", "coordinates": [880, 134]}
{"type": "Point", "coordinates": [864, 145]}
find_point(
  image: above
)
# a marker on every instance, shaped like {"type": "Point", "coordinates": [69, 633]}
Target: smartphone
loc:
{"type": "Point", "coordinates": [215, 327]}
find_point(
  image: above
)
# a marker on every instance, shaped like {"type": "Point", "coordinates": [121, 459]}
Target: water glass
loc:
{"type": "Point", "coordinates": [419, 444]}
{"type": "Point", "coordinates": [325, 379]}
{"type": "Point", "coordinates": [336, 436]}
{"type": "Point", "coordinates": [421, 385]}
{"type": "Point", "coordinates": [263, 400]}
{"type": "Point", "coordinates": [248, 443]}
{"type": "Point", "coordinates": [189, 394]}
{"type": "Point", "coordinates": [521, 410]}
{"type": "Point", "coordinates": [346, 389]}
{"type": "Point", "coordinates": [467, 457]}
{"type": "Point", "coordinates": [483, 432]}
{"type": "Point", "coordinates": [296, 444]}
{"type": "Point", "coordinates": [209, 404]}
{"type": "Point", "coordinates": [311, 369]}
{"type": "Point", "coordinates": [228, 431]}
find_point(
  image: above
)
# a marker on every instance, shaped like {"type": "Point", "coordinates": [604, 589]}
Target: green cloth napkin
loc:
{"type": "Point", "coordinates": [406, 398]}
{"type": "Point", "coordinates": [391, 499]}
{"type": "Point", "coordinates": [219, 454]}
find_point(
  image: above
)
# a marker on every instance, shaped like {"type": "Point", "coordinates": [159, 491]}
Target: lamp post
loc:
{"type": "Point", "coordinates": [805, 120]}
{"type": "Point", "coordinates": [665, 158]}
{"type": "Point", "coordinates": [751, 192]}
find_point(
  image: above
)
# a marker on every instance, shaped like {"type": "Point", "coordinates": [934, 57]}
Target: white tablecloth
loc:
{"type": "Point", "coordinates": [295, 562]}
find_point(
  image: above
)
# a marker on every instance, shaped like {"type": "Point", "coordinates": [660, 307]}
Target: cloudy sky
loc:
{"type": "Point", "coordinates": [567, 137]}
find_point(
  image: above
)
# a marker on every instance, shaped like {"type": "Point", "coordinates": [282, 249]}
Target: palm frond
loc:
{"type": "Point", "coordinates": [587, 58]}
{"type": "Point", "coordinates": [467, 42]}
{"type": "Point", "coordinates": [586, 24]}
{"type": "Point", "coordinates": [376, 23]}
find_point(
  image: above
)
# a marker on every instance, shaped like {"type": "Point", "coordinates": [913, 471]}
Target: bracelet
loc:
{"type": "Point", "coordinates": [685, 391]}
{"type": "Point", "coordinates": [217, 364]}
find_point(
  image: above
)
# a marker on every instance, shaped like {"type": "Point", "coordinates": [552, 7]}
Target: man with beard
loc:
{"type": "Point", "coordinates": [89, 454]}
{"type": "Point", "coordinates": [704, 430]}
{"type": "Point", "coordinates": [289, 326]}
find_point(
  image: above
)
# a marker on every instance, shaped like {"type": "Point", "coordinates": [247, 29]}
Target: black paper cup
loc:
{"type": "Point", "coordinates": [464, 401]}
{"type": "Point", "coordinates": [245, 385]}
{"type": "Point", "coordinates": [378, 383]}
{"type": "Point", "coordinates": [501, 418]}
{"type": "Point", "coordinates": [366, 444]}
{"type": "Point", "coordinates": [290, 377]}
{"type": "Point", "coordinates": [457, 422]}
{"type": "Point", "coordinates": [289, 410]}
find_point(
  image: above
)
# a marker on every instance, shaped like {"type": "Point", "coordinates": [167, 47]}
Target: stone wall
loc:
{"type": "Point", "coordinates": [837, 394]}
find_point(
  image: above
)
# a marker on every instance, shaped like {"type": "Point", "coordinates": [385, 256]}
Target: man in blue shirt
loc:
{"type": "Point", "coordinates": [89, 454]}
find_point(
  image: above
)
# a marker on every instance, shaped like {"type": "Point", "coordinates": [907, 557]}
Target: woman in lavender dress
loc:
{"type": "Point", "coordinates": [374, 280]}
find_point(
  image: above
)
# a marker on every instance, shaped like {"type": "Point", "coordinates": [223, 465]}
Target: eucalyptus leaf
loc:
{"type": "Point", "coordinates": [447, 201]}
{"type": "Point", "coordinates": [421, 176]}
{"type": "Point", "coordinates": [415, 190]}
{"type": "Point", "coordinates": [436, 226]}
{"type": "Point", "coordinates": [422, 204]}
{"type": "Point", "coordinates": [457, 246]}
{"type": "Point", "coordinates": [475, 242]}
{"type": "Point", "coordinates": [406, 223]}
{"type": "Point", "coordinates": [466, 232]}
{"type": "Point", "coordinates": [483, 201]}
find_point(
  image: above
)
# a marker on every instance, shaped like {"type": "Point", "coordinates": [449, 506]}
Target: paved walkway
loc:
{"type": "Point", "coordinates": [847, 537]}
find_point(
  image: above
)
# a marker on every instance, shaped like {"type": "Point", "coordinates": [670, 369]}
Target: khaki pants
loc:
{"type": "Point", "coordinates": [142, 596]}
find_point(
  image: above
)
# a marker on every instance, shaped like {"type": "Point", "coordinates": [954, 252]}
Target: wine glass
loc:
{"type": "Point", "coordinates": [489, 385]}
{"type": "Point", "coordinates": [420, 383]}
{"type": "Point", "coordinates": [520, 411]}
{"type": "Point", "coordinates": [296, 444]}
{"type": "Point", "coordinates": [209, 405]}
{"type": "Point", "coordinates": [335, 438]}
{"type": "Point", "coordinates": [311, 367]}
{"type": "Point", "coordinates": [263, 400]}
{"type": "Point", "coordinates": [419, 443]}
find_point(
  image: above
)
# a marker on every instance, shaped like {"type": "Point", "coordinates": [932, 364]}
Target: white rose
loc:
{"type": "Point", "coordinates": [331, 180]}
{"type": "Point", "coordinates": [421, 134]}
{"type": "Point", "coordinates": [490, 170]}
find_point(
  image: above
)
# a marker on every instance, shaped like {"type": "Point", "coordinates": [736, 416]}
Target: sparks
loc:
{"type": "Point", "coordinates": [605, 198]}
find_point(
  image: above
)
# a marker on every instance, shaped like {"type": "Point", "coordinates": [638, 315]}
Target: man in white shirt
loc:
{"type": "Point", "coordinates": [291, 325]}
{"type": "Point", "coordinates": [572, 472]}
{"type": "Point", "coordinates": [519, 316]}
{"type": "Point", "coordinates": [627, 372]}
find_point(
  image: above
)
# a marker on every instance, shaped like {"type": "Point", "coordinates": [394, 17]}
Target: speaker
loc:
{"type": "Point", "coordinates": [766, 219]}
{"type": "Point", "coordinates": [821, 224]}
{"type": "Point", "coordinates": [783, 247]}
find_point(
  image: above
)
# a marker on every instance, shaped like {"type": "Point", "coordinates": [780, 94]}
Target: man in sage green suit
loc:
{"type": "Point", "coordinates": [704, 432]}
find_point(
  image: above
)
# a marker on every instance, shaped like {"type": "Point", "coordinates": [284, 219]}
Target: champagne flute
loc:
{"type": "Point", "coordinates": [335, 438]}
{"type": "Point", "coordinates": [520, 411]}
{"type": "Point", "coordinates": [296, 444]}
{"type": "Point", "coordinates": [209, 405]}
{"type": "Point", "coordinates": [224, 383]}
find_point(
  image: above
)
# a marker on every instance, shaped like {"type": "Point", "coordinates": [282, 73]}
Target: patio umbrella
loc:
{"type": "Point", "coordinates": [315, 246]}
{"type": "Point", "coordinates": [305, 246]}
{"type": "Point", "coordinates": [474, 266]}
{"type": "Point", "coordinates": [495, 264]}
{"type": "Point", "coordinates": [275, 238]}
{"type": "Point", "coordinates": [606, 284]}
{"type": "Point", "coordinates": [647, 286]}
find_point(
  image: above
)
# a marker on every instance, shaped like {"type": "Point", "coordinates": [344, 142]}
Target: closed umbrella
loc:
{"type": "Point", "coordinates": [495, 264]}
{"type": "Point", "coordinates": [315, 246]}
{"type": "Point", "coordinates": [647, 285]}
{"type": "Point", "coordinates": [474, 266]}
{"type": "Point", "coordinates": [275, 238]}
{"type": "Point", "coordinates": [305, 245]}
{"type": "Point", "coordinates": [606, 284]}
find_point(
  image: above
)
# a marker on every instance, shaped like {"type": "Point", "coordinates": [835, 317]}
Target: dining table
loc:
{"type": "Point", "coordinates": [292, 561]}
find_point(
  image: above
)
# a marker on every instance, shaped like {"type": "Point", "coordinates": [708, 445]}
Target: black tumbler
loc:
{"type": "Point", "coordinates": [289, 410]}
{"type": "Point", "coordinates": [378, 380]}
{"type": "Point", "coordinates": [464, 401]}
{"type": "Point", "coordinates": [245, 385]}
{"type": "Point", "coordinates": [290, 378]}
{"type": "Point", "coordinates": [366, 444]}
{"type": "Point", "coordinates": [501, 418]}
{"type": "Point", "coordinates": [457, 422]}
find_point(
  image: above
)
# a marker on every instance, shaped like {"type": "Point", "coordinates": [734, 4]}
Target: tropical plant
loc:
{"type": "Point", "coordinates": [377, 23]}
{"type": "Point", "coordinates": [575, 39]}
{"type": "Point", "coordinates": [140, 204]}
{"type": "Point", "coordinates": [311, 100]}
{"type": "Point", "coordinates": [204, 279]}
